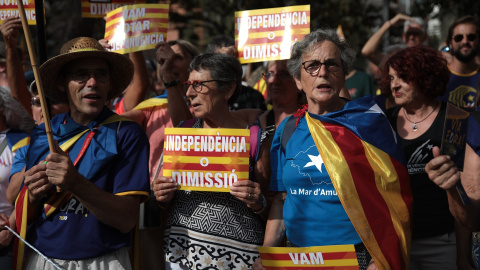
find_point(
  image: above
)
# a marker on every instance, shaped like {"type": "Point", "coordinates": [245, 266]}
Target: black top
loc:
{"type": "Point", "coordinates": [249, 99]}
{"type": "Point", "coordinates": [431, 214]}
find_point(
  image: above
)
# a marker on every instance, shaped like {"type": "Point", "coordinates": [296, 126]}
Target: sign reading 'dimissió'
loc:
{"type": "Point", "coordinates": [136, 27]}
{"type": "Point", "coordinates": [206, 159]}
{"type": "Point", "coordinates": [9, 8]}
{"type": "Point", "coordinates": [269, 34]}
{"type": "Point", "coordinates": [98, 8]}
{"type": "Point", "coordinates": [321, 257]}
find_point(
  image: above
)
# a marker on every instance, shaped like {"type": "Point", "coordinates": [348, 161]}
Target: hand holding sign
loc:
{"type": "Point", "coordinates": [164, 189]}
{"type": "Point", "coordinates": [10, 30]}
{"type": "Point", "coordinates": [248, 192]}
{"type": "Point", "coordinates": [257, 265]}
{"type": "Point", "coordinates": [442, 170]}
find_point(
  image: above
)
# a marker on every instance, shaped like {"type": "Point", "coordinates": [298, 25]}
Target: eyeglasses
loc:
{"type": "Point", "coordinates": [84, 75]}
{"type": "Point", "coordinates": [198, 85]}
{"type": "Point", "coordinates": [312, 67]}
{"type": "Point", "coordinates": [470, 37]}
{"type": "Point", "coordinates": [36, 101]}
{"type": "Point", "coordinates": [445, 49]}
{"type": "Point", "coordinates": [282, 75]}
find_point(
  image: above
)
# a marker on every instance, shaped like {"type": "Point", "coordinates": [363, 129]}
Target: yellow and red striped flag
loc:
{"type": "Point", "coordinates": [137, 27]}
{"type": "Point", "coordinates": [324, 257]}
{"type": "Point", "coordinates": [206, 159]}
{"type": "Point", "coordinates": [269, 34]}
{"type": "Point", "coordinates": [368, 172]}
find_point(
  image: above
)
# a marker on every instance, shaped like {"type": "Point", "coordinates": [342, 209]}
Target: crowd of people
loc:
{"type": "Point", "coordinates": [334, 160]}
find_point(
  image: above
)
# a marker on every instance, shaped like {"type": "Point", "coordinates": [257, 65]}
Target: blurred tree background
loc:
{"type": "Point", "coordinates": [199, 20]}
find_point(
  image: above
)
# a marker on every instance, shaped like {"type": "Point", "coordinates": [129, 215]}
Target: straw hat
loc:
{"type": "Point", "coordinates": [121, 68]}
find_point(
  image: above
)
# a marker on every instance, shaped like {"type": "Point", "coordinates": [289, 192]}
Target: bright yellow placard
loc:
{"type": "Point", "coordinates": [206, 159]}
{"type": "Point", "coordinates": [99, 8]}
{"type": "Point", "coordinates": [9, 8]}
{"type": "Point", "coordinates": [269, 34]}
{"type": "Point", "coordinates": [323, 257]}
{"type": "Point", "coordinates": [136, 27]}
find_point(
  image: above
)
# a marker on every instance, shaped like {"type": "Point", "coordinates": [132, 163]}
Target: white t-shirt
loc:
{"type": "Point", "coordinates": [6, 161]}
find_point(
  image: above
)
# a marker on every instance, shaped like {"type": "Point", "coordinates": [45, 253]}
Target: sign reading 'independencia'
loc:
{"type": "Point", "coordinates": [206, 159]}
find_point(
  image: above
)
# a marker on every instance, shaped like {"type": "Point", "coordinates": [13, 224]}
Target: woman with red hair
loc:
{"type": "Point", "coordinates": [417, 76]}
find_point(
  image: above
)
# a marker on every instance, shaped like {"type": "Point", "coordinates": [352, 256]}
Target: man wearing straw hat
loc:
{"type": "Point", "coordinates": [100, 169]}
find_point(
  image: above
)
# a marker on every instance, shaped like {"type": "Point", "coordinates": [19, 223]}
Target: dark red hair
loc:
{"type": "Point", "coordinates": [420, 66]}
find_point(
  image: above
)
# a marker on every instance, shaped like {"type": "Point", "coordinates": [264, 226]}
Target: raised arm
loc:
{"type": "Point", "coordinates": [371, 48]}
{"type": "Point", "coordinates": [176, 93]}
{"type": "Point", "coordinates": [16, 79]}
{"type": "Point", "coordinates": [136, 91]}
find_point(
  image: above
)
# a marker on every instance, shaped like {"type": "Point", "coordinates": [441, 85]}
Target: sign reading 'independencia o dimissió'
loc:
{"type": "Point", "coordinates": [269, 34]}
{"type": "Point", "coordinates": [206, 159]}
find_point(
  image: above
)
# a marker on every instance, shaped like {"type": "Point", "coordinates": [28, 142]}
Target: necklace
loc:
{"type": "Point", "coordinates": [415, 127]}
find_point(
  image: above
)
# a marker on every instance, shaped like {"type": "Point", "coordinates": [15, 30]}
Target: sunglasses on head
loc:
{"type": "Point", "coordinates": [470, 37]}
{"type": "Point", "coordinates": [36, 101]}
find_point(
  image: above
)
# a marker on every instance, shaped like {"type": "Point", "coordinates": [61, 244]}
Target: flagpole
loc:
{"type": "Point", "coordinates": [38, 79]}
{"type": "Point", "coordinates": [41, 40]}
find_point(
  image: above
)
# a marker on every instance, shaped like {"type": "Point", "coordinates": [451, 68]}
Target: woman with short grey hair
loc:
{"type": "Point", "coordinates": [319, 174]}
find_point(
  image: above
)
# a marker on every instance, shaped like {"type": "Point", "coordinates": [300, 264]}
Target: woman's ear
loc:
{"type": "Point", "coordinates": [231, 90]}
{"type": "Point", "coordinates": [298, 83]}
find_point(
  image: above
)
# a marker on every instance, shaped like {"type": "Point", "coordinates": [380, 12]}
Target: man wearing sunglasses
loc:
{"type": "Point", "coordinates": [463, 41]}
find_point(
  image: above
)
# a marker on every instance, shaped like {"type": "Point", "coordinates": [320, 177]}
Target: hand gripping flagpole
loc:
{"type": "Point", "coordinates": [38, 79]}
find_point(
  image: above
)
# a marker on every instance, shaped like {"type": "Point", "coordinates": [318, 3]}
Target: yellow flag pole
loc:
{"type": "Point", "coordinates": [38, 79]}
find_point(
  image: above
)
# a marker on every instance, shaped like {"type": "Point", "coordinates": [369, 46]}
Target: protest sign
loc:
{"type": "Point", "coordinates": [136, 27]}
{"type": "Point", "coordinates": [206, 159]}
{"type": "Point", "coordinates": [454, 138]}
{"type": "Point", "coordinates": [269, 34]}
{"type": "Point", "coordinates": [324, 257]}
{"type": "Point", "coordinates": [9, 8]}
{"type": "Point", "coordinates": [454, 142]}
{"type": "Point", "coordinates": [99, 8]}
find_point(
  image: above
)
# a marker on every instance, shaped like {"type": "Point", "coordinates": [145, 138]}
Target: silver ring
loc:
{"type": "Point", "coordinates": [249, 195]}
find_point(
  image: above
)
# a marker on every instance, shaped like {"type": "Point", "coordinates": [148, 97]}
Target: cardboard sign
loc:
{"type": "Point", "coordinates": [206, 159]}
{"type": "Point", "coordinates": [136, 27]}
{"type": "Point", "coordinates": [454, 138]}
{"type": "Point", "coordinates": [324, 257]}
{"type": "Point", "coordinates": [269, 34]}
{"type": "Point", "coordinates": [9, 8]}
{"type": "Point", "coordinates": [454, 142]}
{"type": "Point", "coordinates": [99, 8]}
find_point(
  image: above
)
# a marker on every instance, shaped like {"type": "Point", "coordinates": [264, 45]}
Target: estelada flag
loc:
{"type": "Point", "coordinates": [136, 27]}
{"type": "Point", "coordinates": [269, 34]}
{"type": "Point", "coordinates": [341, 257]}
{"type": "Point", "coordinates": [362, 156]}
{"type": "Point", "coordinates": [99, 8]}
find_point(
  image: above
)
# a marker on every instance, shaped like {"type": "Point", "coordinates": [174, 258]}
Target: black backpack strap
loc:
{"type": "Point", "coordinates": [288, 130]}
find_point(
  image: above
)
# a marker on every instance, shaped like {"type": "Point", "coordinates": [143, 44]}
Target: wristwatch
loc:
{"type": "Point", "coordinates": [170, 84]}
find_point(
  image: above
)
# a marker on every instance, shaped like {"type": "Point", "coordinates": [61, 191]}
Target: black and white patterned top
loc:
{"type": "Point", "coordinates": [212, 230]}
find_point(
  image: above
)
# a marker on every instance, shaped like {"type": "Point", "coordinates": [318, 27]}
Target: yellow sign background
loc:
{"type": "Point", "coordinates": [185, 155]}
